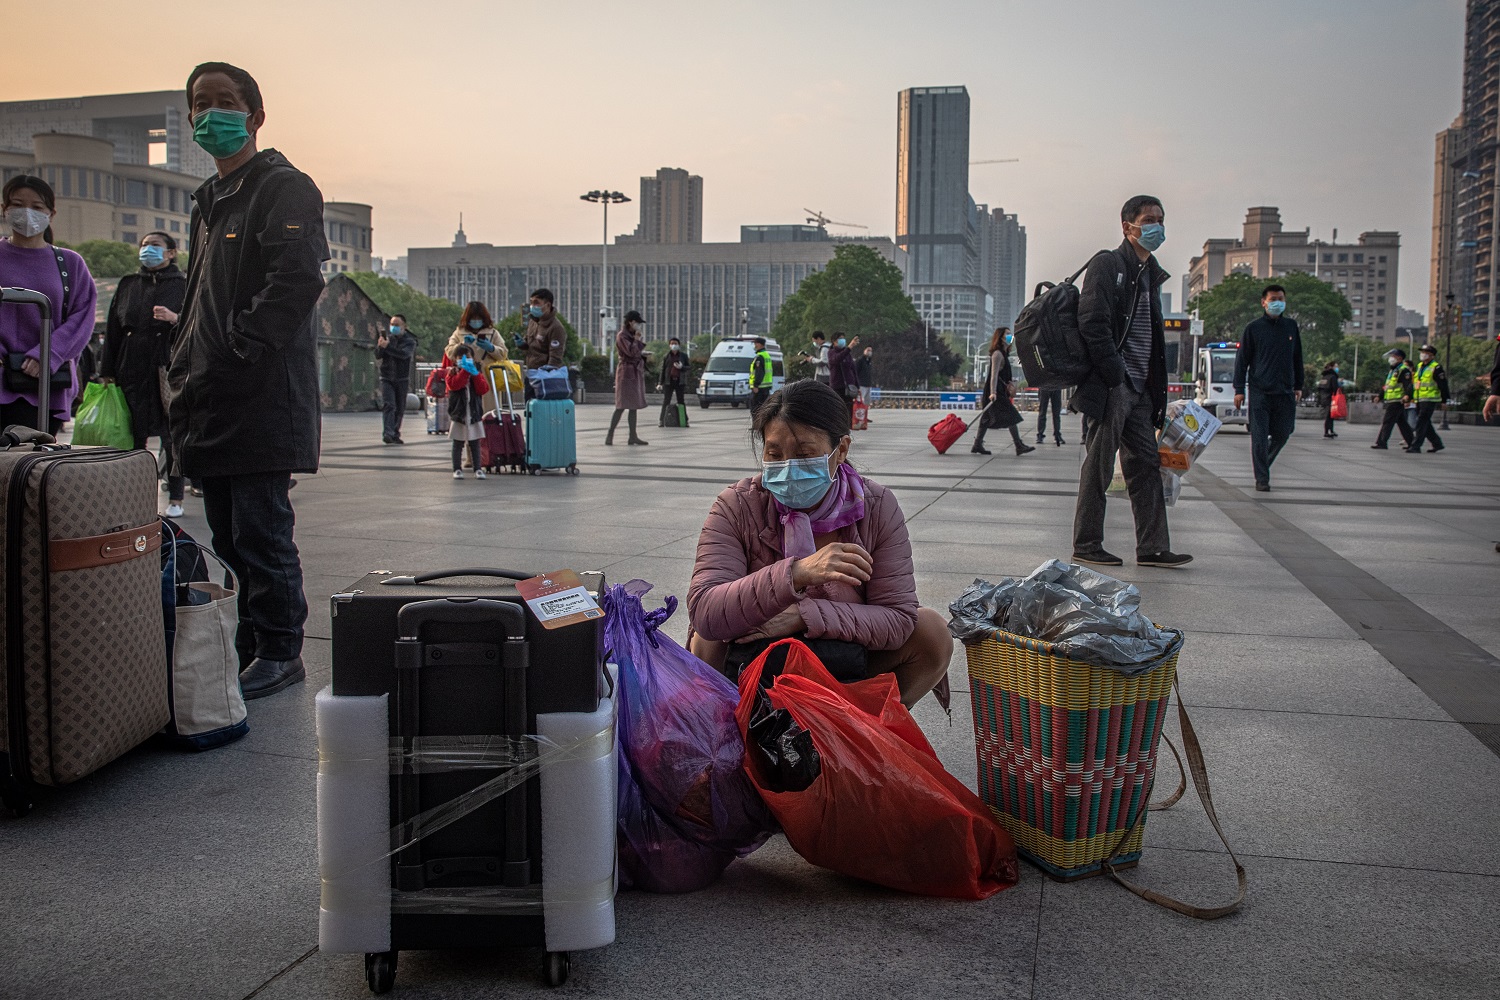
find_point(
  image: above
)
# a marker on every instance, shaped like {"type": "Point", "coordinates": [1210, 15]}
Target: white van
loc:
{"type": "Point", "coordinates": [726, 378]}
{"type": "Point", "coordinates": [1216, 368]}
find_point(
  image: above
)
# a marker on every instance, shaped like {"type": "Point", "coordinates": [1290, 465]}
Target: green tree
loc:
{"type": "Point", "coordinates": [1319, 309]}
{"type": "Point", "coordinates": [430, 320]}
{"type": "Point", "coordinates": [511, 324]}
{"type": "Point", "coordinates": [110, 258]}
{"type": "Point", "coordinates": [910, 359]}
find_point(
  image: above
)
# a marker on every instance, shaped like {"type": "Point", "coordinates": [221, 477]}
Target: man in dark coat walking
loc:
{"type": "Point", "coordinates": [1124, 397]}
{"type": "Point", "coordinates": [1269, 359]}
{"type": "Point", "coordinates": [394, 349]}
{"type": "Point", "coordinates": [243, 382]}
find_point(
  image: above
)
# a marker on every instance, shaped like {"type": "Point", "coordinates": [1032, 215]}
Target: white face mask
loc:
{"type": "Point", "coordinates": [28, 221]}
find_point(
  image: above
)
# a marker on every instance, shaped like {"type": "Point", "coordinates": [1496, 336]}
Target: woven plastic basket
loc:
{"type": "Point", "coordinates": [1067, 750]}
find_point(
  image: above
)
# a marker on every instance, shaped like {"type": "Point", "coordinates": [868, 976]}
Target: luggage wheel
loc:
{"type": "Point", "coordinates": [572, 470]}
{"type": "Point", "coordinates": [380, 971]}
{"type": "Point", "coordinates": [555, 965]}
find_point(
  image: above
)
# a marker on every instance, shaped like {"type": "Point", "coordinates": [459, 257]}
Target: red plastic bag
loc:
{"type": "Point", "coordinates": [1338, 407]}
{"type": "Point", "coordinates": [881, 806]}
{"type": "Point", "coordinates": [946, 431]}
{"type": "Point", "coordinates": [860, 415]}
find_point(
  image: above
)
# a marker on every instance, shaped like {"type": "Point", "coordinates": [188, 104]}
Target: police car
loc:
{"type": "Point", "coordinates": [726, 377]}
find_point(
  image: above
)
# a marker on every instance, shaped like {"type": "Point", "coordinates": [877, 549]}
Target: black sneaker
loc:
{"type": "Point", "coordinates": [1262, 487]}
{"type": "Point", "coordinates": [1024, 449]}
{"type": "Point", "coordinates": [1165, 560]}
{"type": "Point", "coordinates": [1098, 558]}
{"type": "Point", "coordinates": [1434, 451]}
{"type": "Point", "coordinates": [1379, 446]}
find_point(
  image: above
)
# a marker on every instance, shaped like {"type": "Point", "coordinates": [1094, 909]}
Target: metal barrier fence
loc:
{"type": "Point", "coordinates": [1026, 399]}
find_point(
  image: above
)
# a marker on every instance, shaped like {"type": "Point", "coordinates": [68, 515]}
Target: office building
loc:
{"type": "Point", "coordinates": [936, 220]}
{"type": "Point", "coordinates": [783, 234]}
{"type": "Point", "coordinates": [1365, 271]}
{"type": "Point", "coordinates": [671, 206]}
{"type": "Point", "coordinates": [99, 197]}
{"type": "Point", "coordinates": [1002, 263]}
{"type": "Point", "coordinates": [682, 289]}
{"type": "Point", "coordinates": [347, 226]}
{"type": "Point", "coordinates": [1466, 205]}
{"type": "Point", "coordinates": [149, 129]}
{"type": "Point", "coordinates": [390, 267]}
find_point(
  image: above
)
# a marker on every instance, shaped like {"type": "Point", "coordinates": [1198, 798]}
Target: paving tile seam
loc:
{"type": "Point", "coordinates": [1242, 855]}
{"type": "Point", "coordinates": [262, 987]}
{"type": "Point", "coordinates": [1455, 672]}
{"type": "Point", "coordinates": [1330, 715]}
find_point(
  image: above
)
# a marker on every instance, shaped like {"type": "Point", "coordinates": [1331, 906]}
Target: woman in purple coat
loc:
{"type": "Point", "coordinates": [630, 375]}
{"type": "Point", "coordinates": [29, 260]}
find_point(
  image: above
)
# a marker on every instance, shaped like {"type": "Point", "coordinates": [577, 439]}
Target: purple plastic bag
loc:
{"type": "Point", "coordinates": [686, 806]}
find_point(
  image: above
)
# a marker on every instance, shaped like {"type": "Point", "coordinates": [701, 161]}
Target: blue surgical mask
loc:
{"type": "Point", "coordinates": [841, 342]}
{"type": "Point", "coordinates": [1276, 307]}
{"type": "Point", "coordinates": [1010, 338]}
{"type": "Point", "coordinates": [395, 330]}
{"type": "Point", "coordinates": [476, 324]}
{"type": "Point", "coordinates": [1153, 235]}
{"type": "Point", "coordinates": [153, 256]}
{"type": "Point", "coordinates": [536, 312]}
{"type": "Point", "coordinates": [799, 483]}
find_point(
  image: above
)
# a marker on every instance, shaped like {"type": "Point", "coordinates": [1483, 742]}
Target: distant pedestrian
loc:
{"type": "Point", "coordinates": [1269, 361]}
{"type": "Point", "coordinates": [476, 330]}
{"type": "Point", "coordinates": [1328, 387]}
{"type": "Point", "coordinates": [546, 337]}
{"type": "Point", "coordinates": [864, 370]}
{"type": "Point", "coordinates": [1492, 401]}
{"type": "Point", "coordinates": [1125, 395]}
{"type": "Point", "coordinates": [630, 375]}
{"type": "Point", "coordinates": [394, 348]}
{"type": "Point", "coordinates": [674, 377]}
{"type": "Point", "coordinates": [243, 382]}
{"type": "Point", "coordinates": [762, 372]}
{"type": "Point", "coordinates": [1046, 398]}
{"type": "Point", "coordinates": [998, 406]}
{"type": "Point", "coordinates": [843, 376]}
{"type": "Point", "coordinates": [138, 346]}
{"type": "Point", "coordinates": [467, 388]}
{"type": "Point", "coordinates": [1396, 393]}
{"type": "Point", "coordinates": [818, 357]}
{"type": "Point", "coordinates": [1431, 388]}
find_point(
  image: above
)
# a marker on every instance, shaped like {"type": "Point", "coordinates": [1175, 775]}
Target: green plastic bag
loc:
{"type": "Point", "coordinates": [103, 418]}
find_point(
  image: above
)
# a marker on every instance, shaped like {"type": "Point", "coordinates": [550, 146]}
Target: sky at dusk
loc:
{"type": "Point", "coordinates": [508, 111]}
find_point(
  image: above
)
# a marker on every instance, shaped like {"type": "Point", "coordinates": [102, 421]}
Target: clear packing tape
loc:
{"type": "Point", "coordinates": [573, 753]}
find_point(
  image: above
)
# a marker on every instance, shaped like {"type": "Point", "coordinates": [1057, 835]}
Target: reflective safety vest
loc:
{"type": "Point", "coordinates": [760, 370]}
{"type": "Point", "coordinates": [1427, 387]}
{"type": "Point", "coordinates": [1394, 392]}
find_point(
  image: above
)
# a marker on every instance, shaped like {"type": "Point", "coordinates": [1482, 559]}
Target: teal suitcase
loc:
{"type": "Point", "coordinates": [551, 438]}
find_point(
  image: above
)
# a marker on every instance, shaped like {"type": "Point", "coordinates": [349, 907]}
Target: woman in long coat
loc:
{"type": "Point", "coordinates": [630, 375]}
{"type": "Point", "coordinates": [999, 409]}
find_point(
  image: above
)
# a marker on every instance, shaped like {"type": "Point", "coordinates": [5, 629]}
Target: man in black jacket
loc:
{"type": "Point", "coordinates": [243, 381]}
{"type": "Point", "coordinates": [1270, 359]}
{"type": "Point", "coordinates": [673, 379]}
{"type": "Point", "coordinates": [394, 349]}
{"type": "Point", "coordinates": [1125, 395]}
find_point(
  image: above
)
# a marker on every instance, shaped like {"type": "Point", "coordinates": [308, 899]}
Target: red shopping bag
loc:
{"type": "Point", "coordinates": [860, 419]}
{"type": "Point", "coordinates": [875, 802]}
{"type": "Point", "coordinates": [946, 431]}
{"type": "Point", "coordinates": [1338, 407]}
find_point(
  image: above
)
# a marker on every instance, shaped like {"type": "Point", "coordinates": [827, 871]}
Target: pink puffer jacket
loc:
{"type": "Point", "coordinates": [741, 580]}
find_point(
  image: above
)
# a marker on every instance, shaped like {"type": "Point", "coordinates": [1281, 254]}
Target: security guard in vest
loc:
{"type": "Point", "coordinates": [1396, 393]}
{"type": "Point", "coordinates": [760, 375]}
{"type": "Point", "coordinates": [1431, 384]}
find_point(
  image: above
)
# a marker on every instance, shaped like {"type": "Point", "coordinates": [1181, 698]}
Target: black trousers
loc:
{"type": "Point", "coordinates": [1273, 417]}
{"type": "Point", "coordinates": [1052, 398]}
{"type": "Point", "coordinates": [758, 396]}
{"type": "Point", "coordinates": [24, 413]}
{"type": "Point", "coordinates": [1126, 430]}
{"type": "Point", "coordinates": [393, 405]}
{"type": "Point", "coordinates": [176, 485]}
{"type": "Point", "coordinates": [251, 520]}
{"type": "Point", "coordinates": [666, 398]}
{"type": "Point", "coordinates": [1394, 417]}
{"type": "Point", "coordinates": [1424, 432]}
{"type": "Point", "coordinates": [474, 454]}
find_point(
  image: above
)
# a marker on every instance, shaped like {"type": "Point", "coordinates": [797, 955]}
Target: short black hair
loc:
{"type": "Point", "coordinates": [398, 316]}
{"type": "Point", "coordinates": [759, 340]}
{"type": "Point", "coordinates": [169, 241]}
{"type": "Point", "coordinates": [243, 82]}
{"type": "Point", "coordinates": [818, 335]}
{"type": "Point", "coordinates": [808, 403]}
{"type": "Point", "coordinates": [545, 294]}
{"type": "Point", "coordinates": [1134, 206]}
{"type": "Point", "coordinates": [673, 340]}
{"type": "Point", "coordinates": [1271, 288]}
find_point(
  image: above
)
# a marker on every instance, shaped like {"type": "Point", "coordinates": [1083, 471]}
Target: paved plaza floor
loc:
{"type": "Point", "coordinates": [1340, 667]}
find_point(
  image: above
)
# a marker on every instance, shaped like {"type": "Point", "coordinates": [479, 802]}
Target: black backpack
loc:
{"type": "Point", "coordinates": [1048, 344]}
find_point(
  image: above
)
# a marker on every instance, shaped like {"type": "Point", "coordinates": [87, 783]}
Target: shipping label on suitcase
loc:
{"type": "Point", "coordinates": [551, 439]}
{"type": "Point", "coordinates": [85, 668]}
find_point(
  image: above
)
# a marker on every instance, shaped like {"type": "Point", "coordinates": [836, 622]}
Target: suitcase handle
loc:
{"type": "Point", "coordinates": [459, 610]}
{"type": "Point", "coordinates": [44, 384]}
{"type": "Point", "coordinates": [444, 574]}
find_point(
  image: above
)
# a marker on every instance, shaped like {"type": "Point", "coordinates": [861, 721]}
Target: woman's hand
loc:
{"type": "Point", "coordinates": [785, 623]}
{"type": "Point", "coordinates": [837, 562]}
{"type": "Point", "coordinates": [163, 313]}
{"type": "Point", "coordinates": [32, 367]}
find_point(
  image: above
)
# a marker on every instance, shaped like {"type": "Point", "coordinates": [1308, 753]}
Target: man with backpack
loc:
{"type": "Point", "coordinates": [1124, 394]}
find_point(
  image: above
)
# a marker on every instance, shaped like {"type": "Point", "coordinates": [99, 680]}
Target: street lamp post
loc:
{"type": "Point", "coordinates": [1447, 348]}
{"type": "Point", "coordinates": [606, 198]}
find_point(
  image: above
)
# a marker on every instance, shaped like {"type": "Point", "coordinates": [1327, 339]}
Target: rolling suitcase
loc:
{"type": "Point", "coordinates": [677, 415]}
{"type": "Point", "coordinates": [551, 438]}
{"type": "Point", "coordinates": [946, 431]}
{"type": "Point", "coordinates": [437, 416]}
{"type": "Point", "coordinates": [490, 821]}
{"type": "Point", "coordinates": [85, 663]}
{"type": "Point", "coordinates": [503, 447]}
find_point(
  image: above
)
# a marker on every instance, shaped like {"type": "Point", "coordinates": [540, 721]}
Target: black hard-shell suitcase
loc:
{"type": "Point", "coordinates": [469, 660]}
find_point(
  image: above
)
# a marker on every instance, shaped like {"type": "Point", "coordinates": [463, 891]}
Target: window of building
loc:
{"type": "Point", "coordinates": [1343, 258]}
{"type": "Point", "coordinates": [356, 258]}
{"type": "Point", "coordinates": [1379, 312]}
{"type": "Point", "coordinates": [1382, 260]}
{"type": "Point", "coordinates": [176, 226]}
{"type": "Point", "coordinates": [1343, 274]}
{"type": "Point", "coordinates": [1380, 298]}
{"type": "Point", "coordinates": [1359, 258]}
{"type": "Point", "coordinates": [135, 193]}
{"type": "Point", "coordinates": [1343, 284]}
{"type": "Point", "coordinates": [127, 218]}
{"type": "Point", "coordinates": [1312, 258]}
{"type": "Point", "coordinates": [130, 238]}
{"type": "Point", "coordinates": [1328, 258]}
{"type": "Point", "coordinates": [1380, 326]}
{"type": "Point", "coordinates": [172, 198]}
{"type": "Point", "coordinates": [1356, 312]}
{"type": "Point", "coordinates": [344, 255]}
{"type": "Point", "coordinates": [67, 182]}
{"type": "Point", "coordinates": [1380, 273]}
{"type": "Point", "coordinates": [158, 196]}
{"type": "Point", "coordinates": [1359, 284]}
{"type": "Point", "coordinates": [1355, 324]}
{"type": "Point", "coordinates": [161, 223]}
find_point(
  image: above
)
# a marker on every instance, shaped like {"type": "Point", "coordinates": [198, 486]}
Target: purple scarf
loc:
{"type": "Point", "coordinates": [841, 506]}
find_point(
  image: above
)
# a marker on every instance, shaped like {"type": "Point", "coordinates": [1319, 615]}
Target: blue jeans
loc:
{"type": "Point", "coordinates": [1272, 420]}
{"type": "Point", "coordinates": [251, 520]}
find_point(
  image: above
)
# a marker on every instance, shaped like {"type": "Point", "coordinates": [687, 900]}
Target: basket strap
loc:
{"type": "Point", "coordinates": [1199, 772]}
{"type": "Point", "coordinates": [1171, 800]}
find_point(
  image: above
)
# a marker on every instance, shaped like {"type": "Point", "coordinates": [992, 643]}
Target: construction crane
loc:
{"type": "Point", "coordinates": [823, 222]}
{"type": "Point", "coordinates": [980, 163]}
